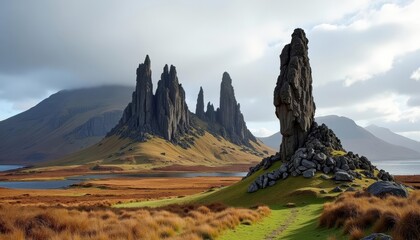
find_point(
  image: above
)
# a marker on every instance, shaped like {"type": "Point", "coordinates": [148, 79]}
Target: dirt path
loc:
{"type": "Point", "coordinates": [275, 233]}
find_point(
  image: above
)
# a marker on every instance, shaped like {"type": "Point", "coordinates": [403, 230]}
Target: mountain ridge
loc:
{"type": "Point", "coordinates": [357, 139]}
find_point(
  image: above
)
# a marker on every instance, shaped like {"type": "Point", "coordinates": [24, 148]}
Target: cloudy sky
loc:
{"type": "Point", "coordinates": [365, 55]}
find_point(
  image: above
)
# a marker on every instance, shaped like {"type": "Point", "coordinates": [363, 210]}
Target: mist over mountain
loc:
{"type": "Point", "coordinates": [393, 138]}
{"type": "Point", "coordinates": [357, 139]}
{"type": "Point", "coordinates": [65, 122]}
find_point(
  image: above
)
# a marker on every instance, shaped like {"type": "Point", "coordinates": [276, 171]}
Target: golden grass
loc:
{"type": "Point", "coordinates": [357, 213]}
{"type": "Point", "coordinates": [185, 222]}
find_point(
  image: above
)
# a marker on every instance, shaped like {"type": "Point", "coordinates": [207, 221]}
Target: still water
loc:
{"type": "Point", "coordinates": [395, 167]}
{"type": "Point", "coordinates": [56, 184]}
{"type": "Point", "coordinates": [399, 167]}
{"type": "Point", "coordinates": [9, 167]}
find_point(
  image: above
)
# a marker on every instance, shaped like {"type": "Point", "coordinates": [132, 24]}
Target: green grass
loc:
{"type": "Point", "coordinates": [304, 226]}
{"type": "Point", "coordinates": [305, 193]}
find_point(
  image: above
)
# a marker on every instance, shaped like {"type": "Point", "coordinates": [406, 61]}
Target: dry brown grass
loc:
{"type": "Point", "coordinates": [173, 222]}
{"type": "Point", "coordinates": [358, 212]}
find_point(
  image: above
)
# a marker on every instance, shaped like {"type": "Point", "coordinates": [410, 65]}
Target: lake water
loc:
{"type": "Point", "coordinates": [395, 167]}
{"type": "Point", "coordinates": [9, 167]}
{"type": "Point", "coordinates": [399, 167]}
{"type": "Point", "coordinates": [57, 184]}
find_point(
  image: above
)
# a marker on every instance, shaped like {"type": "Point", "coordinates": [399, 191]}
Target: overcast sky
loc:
{"type": "Point", "coordinates": [365, 55]}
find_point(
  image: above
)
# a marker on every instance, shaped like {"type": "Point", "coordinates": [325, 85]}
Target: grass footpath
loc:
{"type": "Point", "coordinates": [303, 226]}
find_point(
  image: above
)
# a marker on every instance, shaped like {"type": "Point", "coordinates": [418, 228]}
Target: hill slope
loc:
{"type": "Point", "coordinates": [63, 123]}
{"type": "Point", "coordinates": [207, 150]}
{"type": "Point", "coordinates": [357, 139]}
{"type": "Point", "coordinates": [393, 138]}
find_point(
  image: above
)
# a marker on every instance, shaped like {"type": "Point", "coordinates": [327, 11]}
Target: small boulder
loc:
{"type": "Point", "coordinates": [308, 164]}
{"type": "Point", "coordinates": [337, 189]}
{"type": "Point", "coordinates": [343, 176]}
{"type": "Point", "coordinates": [320, 157]}
{"type": "Point", "coordinates": [326, 169]}
{"type": "Point", "coordinates": [310, 173]}
{"type": "Point", "coordinates": [382, 188]}
{"type": "Point", "coordinates": [377, 236]}
{"type": "Point", "coordinates": [253, 188]}
{"type": "Point", "coordinates": [271, 183]}
{"type": "Point", "coordinates": [330, 161]}
{"type": "Point", "coordinates": [325, 177]}
{"type": "Point", "coordinates": [285, 175]}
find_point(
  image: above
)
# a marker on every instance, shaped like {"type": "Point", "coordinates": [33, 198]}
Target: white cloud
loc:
{"type": "Point", "coordinates": [416, 75]}
{"type": "Point", "coordinates": [367, 45]}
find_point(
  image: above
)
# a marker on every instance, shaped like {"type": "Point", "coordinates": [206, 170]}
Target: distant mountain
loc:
{"type": "Point", "coordinates": [63, 123]}
{"type": "Point", "coordinates": [272, 141]}
{"type": "Point", "coordinates": [357, 139]}
{"type": "Point", "coordinates": [393, 138]}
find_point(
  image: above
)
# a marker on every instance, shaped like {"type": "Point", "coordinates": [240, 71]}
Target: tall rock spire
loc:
{"type": "Point", "coordinates": [199, 109]}
{"type": "Point", "coordinates": [139, 113]}
{"type": "Point", "coordinates": [295, 107]}
{"type": "Point", "coordinates": [171, 110]}
{"type": "Point", "coordinates": [229, 115]}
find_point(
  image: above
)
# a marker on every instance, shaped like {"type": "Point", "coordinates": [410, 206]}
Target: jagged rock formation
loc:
{"type": "Point", "coordinates": [227, 121]}
{"type": "Point", "coordinates": [306, 147]}
{"type": "Point", "coordinates": [164, 114]}
{"type": "Point", "coordinates": [293, 99]}
{"type": "Point", "coordinates": [229, 115]}
{"type": "Point", "coordinates": [210, 113]}
{"type": "Point", "coordinates": [171, 110]}
{"type": "Point", "coordinates": [199, 109]}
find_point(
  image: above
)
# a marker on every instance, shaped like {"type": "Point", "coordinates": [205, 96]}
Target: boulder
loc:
{"type": "Point", "coordinates": [382, 188]}
{"type": "Point", "coordinates": [337, 189]}
{"type": "Point", "coordinates": [308, 164]}
{"type": "Point", "coordinates": [253, 187]}
{"type": "Point", "coordinates": [377, 236]}
{"type": "Point", "coordinates": [320, 157]}
{"type": "Point", "coordinates": [310, 173]}
{"type": "Point", "coordinates": [343, 176]}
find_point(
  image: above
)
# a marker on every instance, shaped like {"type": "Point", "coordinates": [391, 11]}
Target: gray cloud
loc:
{"type": "Point", "coordinates": [46, 46]}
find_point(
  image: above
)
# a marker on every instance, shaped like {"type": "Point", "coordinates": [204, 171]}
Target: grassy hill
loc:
{"type": "Point", "coordinates": [63, 123]}
{"type": "Point", "coordinates": [157, 152]}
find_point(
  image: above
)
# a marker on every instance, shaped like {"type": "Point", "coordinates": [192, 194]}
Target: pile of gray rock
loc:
{"type": "Point", "coordinates": [316, 156]}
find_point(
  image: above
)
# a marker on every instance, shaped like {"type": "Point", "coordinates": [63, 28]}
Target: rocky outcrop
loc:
{"type": "Point", "coordinates": [315, 156]}
{"type": "Point", "coordinates": [306, 147]}
{"type": "Point", "coordinates": [164, 114]}
{"type": "Point", "coordinates": [293, 99]}
{"type": "Point", "coordinates": [199, 109]}
{"type": "Point", "coordinates": [229, 115]}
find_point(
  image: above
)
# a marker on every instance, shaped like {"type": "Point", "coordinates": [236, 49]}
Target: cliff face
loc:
{"type": "Point", "coordinates": [295, 107]}
{"type": "Point", "coordinates": [164, 114]}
